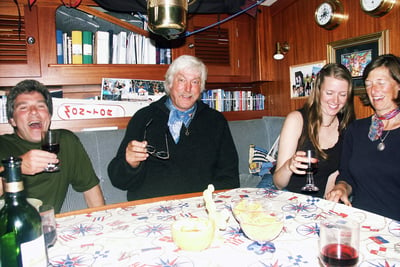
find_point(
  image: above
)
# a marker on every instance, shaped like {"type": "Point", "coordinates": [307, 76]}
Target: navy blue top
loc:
{"type": "Point", "coordinates": [374, 175]}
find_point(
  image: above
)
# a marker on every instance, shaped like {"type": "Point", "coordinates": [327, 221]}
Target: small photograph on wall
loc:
{"type": "Point", "coordinates": [302, 78]}
{"type": "Point", "coordinates": [114, 89]}
{"type": "Point", "coordinates": [127, 89]}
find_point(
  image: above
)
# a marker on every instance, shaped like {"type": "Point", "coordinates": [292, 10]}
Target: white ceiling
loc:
{"type": "Point", "coordinates": [268, 2]}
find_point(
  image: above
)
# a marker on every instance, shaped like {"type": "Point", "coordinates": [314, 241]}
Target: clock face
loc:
{"type": "Point", "coordinates": [377, 8]}
{"type": "Point", "coordinates": [370, 5]}
{"type": "Point", "coordinates": [324, 14]}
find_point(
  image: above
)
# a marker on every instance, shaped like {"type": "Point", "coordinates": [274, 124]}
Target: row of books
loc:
{"type": "Point", "coordinates": [106, 47]}
{"type": "Point", "coordinates": [222, 100]}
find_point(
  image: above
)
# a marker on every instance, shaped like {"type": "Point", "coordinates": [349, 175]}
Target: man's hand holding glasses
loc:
{"type": "Point", "coordinates": [137, 151]}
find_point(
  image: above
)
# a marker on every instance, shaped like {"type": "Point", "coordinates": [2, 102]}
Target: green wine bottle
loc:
{"type": "Point", "coordinates": [21, 236]}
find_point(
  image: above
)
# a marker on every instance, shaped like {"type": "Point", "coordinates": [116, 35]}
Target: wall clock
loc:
{"type": "Point", "coordinates": [329, 14]}
{"type": "Point", "coordinates": [377, 8]}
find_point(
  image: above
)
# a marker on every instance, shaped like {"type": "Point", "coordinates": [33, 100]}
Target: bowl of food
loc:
{"type": "Point", "coordinates": [259, 220]}
{"type": "Point", "coordinates": [193, 234]}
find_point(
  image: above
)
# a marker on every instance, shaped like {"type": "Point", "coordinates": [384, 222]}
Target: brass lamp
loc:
{"type": "Point", "coordinates": [281, 50]}
{"type": "Point", "coordinates": [167, 17]}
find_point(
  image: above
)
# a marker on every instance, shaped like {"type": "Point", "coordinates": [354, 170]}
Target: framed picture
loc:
{"type": "Point", "coordinates": [302, 77]}
{"type": "Point", "coordinates": [127, 89]}
{"type": "Point", "coordinates": [355, 53]}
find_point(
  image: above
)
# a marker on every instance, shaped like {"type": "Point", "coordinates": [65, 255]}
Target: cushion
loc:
{"type": "Point", "coordinates": [260, 160]}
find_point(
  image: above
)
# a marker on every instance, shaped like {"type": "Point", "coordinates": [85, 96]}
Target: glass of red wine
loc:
{"type": "Point", "coordinates": [339, 242]}
{"type": "Point", "coordinates": [48, 224]}
{"type": "Point", "coordinates": [312, 165]}
{"type": "Point", "coordinates": [51, 143]}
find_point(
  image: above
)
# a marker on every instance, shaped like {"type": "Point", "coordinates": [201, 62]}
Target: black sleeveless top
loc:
{"type": "Point", "coordinates": [325, 167]}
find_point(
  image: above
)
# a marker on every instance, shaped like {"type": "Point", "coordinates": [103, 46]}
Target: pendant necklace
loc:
{"type": "Point", "coordinates": [381, 146]}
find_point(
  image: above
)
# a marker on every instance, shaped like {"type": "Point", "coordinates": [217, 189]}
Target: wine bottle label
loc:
{"type": "Point", "coordinates": [14, 187]}
{"type": "Point", "coordinates": [33, 253]}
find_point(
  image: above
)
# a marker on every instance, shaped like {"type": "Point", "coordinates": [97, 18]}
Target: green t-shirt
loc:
{"type": "Point", "coordinates": [51, 188]}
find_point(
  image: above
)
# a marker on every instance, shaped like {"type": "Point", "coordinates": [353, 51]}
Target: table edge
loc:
{"type": "Point", "coordinates": [133, 203]}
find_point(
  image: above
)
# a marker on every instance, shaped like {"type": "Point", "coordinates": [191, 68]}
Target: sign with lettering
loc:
{"type": "Point", "coordinates": [73, 111]}
{"type": "Point", "coordinates": [78, 109]}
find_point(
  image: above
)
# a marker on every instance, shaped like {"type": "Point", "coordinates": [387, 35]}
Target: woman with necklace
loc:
{"type": "Point", "coordinates": [370, 166]}
{"type": "Point", "coordinates": [317, 126]}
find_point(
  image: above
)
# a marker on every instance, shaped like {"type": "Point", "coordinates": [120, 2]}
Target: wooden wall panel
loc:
{"type": "Point", "coordinates": [295, 23]}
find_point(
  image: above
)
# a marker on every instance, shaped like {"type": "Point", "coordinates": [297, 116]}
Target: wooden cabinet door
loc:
{"type": "Point", "coordinates": [19, 44]}
{"type": "Point", "coordinates": [227, 49]}
{"type": "Point", "coordinates": [265, 70]}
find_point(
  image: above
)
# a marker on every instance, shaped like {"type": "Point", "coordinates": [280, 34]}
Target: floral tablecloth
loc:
{"type": "Point", "coordinates": [141, 235]}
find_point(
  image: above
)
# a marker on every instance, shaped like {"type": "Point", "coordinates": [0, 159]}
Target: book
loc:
{"type": "Point", "coordinates": [121, 47]}
{"type": "Point", "coordinates": [69, 50]}
{"type": "Point", "coordinates": [114, 59]}
{"type": "Point", "coordinates": [60, 51]}
{"type": "Point", "coordinates": [76, 47]}
{"type": "Point", "coordinates": [150, 51]}
{"type": "Point", "coordinates": [110, 46]}
{"type": "Point", "coordinates": [101, 47]}
{"type": "Point", "coordinates": [87, 47]}
{"type": "Point", "coordinates": [65, 48]}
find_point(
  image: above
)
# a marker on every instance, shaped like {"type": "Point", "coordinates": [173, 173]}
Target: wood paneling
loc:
{"type": "Point", "coordinates": [295, 23]}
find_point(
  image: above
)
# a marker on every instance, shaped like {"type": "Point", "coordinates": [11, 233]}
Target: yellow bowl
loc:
{"type": "Point", "coordinates": [259, 220]}
{"type": "Point", "coordinates": [193, 234]}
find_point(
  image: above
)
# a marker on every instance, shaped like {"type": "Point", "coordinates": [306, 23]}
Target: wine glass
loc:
{"type": "Point", "coordinates": [310, 187]}
{"type": "Point", "coordinates": [339, 242]}
{"type": "Point", "coordinates": [51, 143]}
{"type": "Point", "coordinates": [48, 224]}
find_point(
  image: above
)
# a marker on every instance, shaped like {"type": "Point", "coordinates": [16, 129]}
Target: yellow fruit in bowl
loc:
{"type": "Point", "coordinates": [259, 220]}
{"type": "Point", "coordinates": [193, 234]}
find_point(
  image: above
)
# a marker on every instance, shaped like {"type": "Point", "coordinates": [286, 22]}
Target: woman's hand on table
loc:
{"type": "Point", "coordinates": [341, 191]}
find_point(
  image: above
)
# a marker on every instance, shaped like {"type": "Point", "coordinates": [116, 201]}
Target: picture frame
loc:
{"type": "Point", "coordinates": [118, 89]}
{"type": "Point", "coordinates": [355, 53]}
{"type": "Point", "coordinates": [302, 77]}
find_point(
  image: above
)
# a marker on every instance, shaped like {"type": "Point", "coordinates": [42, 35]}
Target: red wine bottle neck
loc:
{"type": "Point", "coordinates": [12, 170]}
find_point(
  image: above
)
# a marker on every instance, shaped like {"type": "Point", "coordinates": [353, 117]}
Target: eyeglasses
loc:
{"type": "Point", "coordinates": [152, 150]}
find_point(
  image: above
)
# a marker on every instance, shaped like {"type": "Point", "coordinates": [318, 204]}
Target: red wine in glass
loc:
{"type": "Point", "coordinates": [312, 167]}
{"type": "Point", "coordinates": [51, 143]}
{"type": "Point", "coordinates": [338, 255]}
{"type": "Point", "coordinates": [52, 148]}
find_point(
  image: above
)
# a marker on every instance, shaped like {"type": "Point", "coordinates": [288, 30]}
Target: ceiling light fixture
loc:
{"type": "Point", "coordinates": [281, 50]}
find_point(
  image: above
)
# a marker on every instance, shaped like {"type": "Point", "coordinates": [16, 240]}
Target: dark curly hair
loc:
{"type": "Point", "coordinates": [27, 86]}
